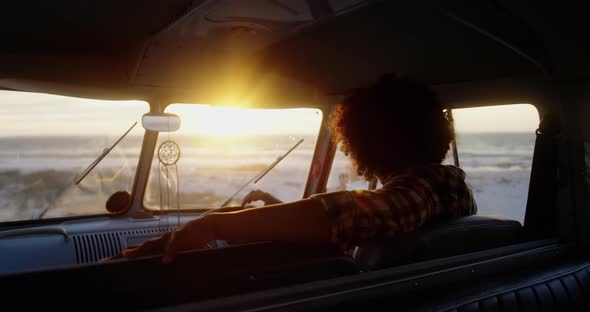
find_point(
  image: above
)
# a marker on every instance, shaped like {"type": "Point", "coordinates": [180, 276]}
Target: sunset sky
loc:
{"type": "Point", "coordinates": [42, 114]}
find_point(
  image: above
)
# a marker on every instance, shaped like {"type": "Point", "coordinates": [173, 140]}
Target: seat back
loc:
{"type": "Point", "coordinates": [563, 288]}
{"type": "Point", "coordinates": [444, 239]}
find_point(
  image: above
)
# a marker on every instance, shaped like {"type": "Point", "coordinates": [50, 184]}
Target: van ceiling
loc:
{"type": "Point", "coordinates": [280, 50]}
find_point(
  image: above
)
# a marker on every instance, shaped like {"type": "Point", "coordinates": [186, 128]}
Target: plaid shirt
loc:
{"type": "Point", "coordinates": [408, 199]}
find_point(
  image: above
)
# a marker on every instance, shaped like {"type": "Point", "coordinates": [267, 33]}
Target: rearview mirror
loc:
{"type": "Point", "coordinates": [162, 122]}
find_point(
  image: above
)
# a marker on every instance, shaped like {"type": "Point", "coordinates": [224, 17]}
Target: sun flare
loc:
{"type": "Point", "coordinates": [226, 121]}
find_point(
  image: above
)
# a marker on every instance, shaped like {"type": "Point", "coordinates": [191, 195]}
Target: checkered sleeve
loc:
{"type": "Point", "coordinates": [362, 215]}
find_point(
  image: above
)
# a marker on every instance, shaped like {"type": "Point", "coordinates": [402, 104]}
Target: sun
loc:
{"type": "Point", "coordinates": [218, 121]}
{"type": "Point", "coordinates": [230, 121]}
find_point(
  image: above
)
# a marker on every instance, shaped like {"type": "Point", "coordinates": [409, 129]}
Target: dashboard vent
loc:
{"type": "Point", "coordinates": [93, 247]}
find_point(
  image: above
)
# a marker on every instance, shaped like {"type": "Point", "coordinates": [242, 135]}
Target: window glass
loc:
{"type": "Point", "coordinates": [343, 176]}
{"type": "Point", "coordinates": [495, 147]}
{"type": "Point", "coordinates": [222, 149]}
{"type": "Point", "coordinates": [47, 141]}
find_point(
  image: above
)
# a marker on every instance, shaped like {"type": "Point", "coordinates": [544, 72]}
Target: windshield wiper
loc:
{"type": "Point", "coordinates": [260, 175]}
{"type": "Point", "coordinates": [105, 152]}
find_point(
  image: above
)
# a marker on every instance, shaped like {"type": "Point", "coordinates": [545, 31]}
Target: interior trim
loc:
{"type": "Point", "coordinates": [411, 277]}
{"type": "Point", "coordinates": [519, 286]}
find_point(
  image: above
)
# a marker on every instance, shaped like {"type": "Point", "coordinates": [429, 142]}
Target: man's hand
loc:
{"type": "Point", "coordinates": [262, 196]}
{"type": "Point", "coordinates": [194, 234]}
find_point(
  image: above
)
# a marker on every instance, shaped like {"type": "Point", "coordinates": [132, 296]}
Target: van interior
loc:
{"type": "Point", "coordinates": [125, 120]}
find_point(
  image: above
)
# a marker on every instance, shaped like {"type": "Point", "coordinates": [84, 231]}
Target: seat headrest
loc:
{"type": "Point", "coordinates": [443, 239]}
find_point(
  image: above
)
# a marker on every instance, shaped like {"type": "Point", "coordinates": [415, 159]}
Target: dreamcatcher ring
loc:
{"type": "Point", "coordinates": [169, 153]}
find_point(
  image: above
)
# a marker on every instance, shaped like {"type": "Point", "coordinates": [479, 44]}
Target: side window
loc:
{"type": "Point", "coordinates": [343, 176]}
{"type": "Point", "coordinates": [495, 147]}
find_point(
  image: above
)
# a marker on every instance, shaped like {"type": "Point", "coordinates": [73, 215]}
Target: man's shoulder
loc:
{"type": "Point", "coordinates": [425, 177]}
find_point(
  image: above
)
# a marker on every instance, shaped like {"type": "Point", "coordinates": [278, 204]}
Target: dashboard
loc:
{"type": "Point", "coordinates": [69, 251]}
{"type": "Point", "coordinates": [78, 242]}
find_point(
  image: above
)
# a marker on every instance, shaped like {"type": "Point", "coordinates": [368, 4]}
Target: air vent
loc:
{"type": "Point", "coordinates": [93, 247]}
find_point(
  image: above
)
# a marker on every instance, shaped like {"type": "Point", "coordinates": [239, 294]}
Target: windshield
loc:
{"type": "Point", "coordinates": [220, 150]}
{"type": "Point", "coordinates": [48, 141]}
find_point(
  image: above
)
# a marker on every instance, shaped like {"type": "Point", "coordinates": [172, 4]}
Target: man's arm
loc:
{"type": "Point", "coordinates": [303, 220]}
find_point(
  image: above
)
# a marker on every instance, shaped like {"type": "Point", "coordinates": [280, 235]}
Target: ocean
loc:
{"type": "Point", "coordinates": [38, 173]}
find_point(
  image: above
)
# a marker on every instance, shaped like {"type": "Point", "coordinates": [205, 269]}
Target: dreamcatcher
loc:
{"type": "Point", "coordinates": [168, 156]}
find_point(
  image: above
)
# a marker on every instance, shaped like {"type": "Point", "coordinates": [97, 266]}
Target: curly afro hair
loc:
{"type": "Point", "coordinates": [395, 124]}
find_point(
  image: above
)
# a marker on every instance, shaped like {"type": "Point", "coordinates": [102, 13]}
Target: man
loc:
{"type": "Point", "coordinates": [395, 131]}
